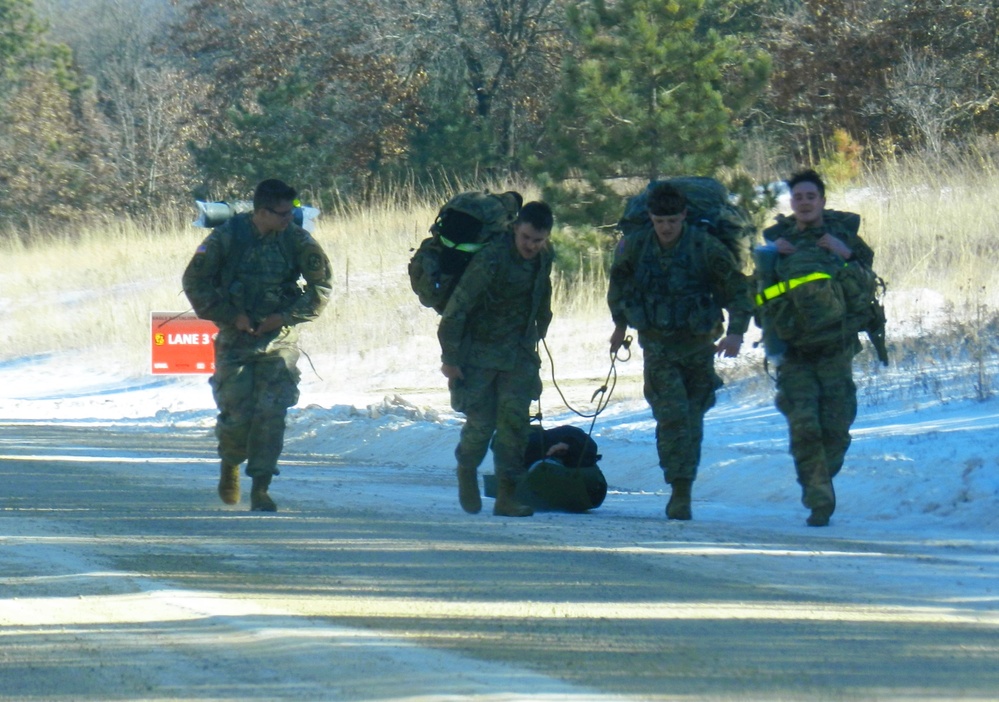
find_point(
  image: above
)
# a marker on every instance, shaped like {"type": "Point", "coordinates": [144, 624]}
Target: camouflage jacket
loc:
{"type": "Point", "coordinates": [675, 296]}
{"type": "Point", "coordinates": [500, 309]}
{"type": "Point", "coordinates": [236, 270]}
{"type": "Point", "coordinates": [845, 226]}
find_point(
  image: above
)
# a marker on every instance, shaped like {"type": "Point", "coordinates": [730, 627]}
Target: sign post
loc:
{"type": "Point", "coordinates": [181, 343]}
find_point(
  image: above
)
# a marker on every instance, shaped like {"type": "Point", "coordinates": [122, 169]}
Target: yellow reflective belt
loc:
{"type": "Point", "coordinates": [782, 287]}
{"type": "Point", "coordinates": [467, 248]}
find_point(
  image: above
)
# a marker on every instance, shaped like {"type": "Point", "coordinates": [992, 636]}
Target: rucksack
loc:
{"type": "Point", "coordinates": [569, 482]}
{"type": "Point", "coordinates": [709, 205]}
{"type": "Point", "coordinates": [551, 485]}
{"type": "Point", "coordinates": [582, 449]}
{"type": "Point", "coordinates": [817, 299]}
{"type": "Point", "coordinates": [466, 223]}
{"type": "Point", "coordinates": [235, 246]}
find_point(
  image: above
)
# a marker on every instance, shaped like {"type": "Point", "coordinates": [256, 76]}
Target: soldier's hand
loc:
{"type": "Point", "coordinates": [243, 323]}
{"type": "Point", "coordinates": [452, 372]}
{"type": "Point", "coordinates": [784, 246]}
{"type": "Point", "coordinates": [617, 338]}
{"type": "Point", "coordinates": [270, 323]}
{"type": "Point", "coordinates": [834, 245]}
{"type": "Point", "coordinates": [729, 346]}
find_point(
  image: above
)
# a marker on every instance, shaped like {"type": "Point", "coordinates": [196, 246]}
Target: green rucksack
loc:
{"type": "Point", "coordinates": [569, 482]}
{"type": "Point", "coordinates": [814, 299]}
{"type": "Point", "coordinates": [709, 205]}
{"type": "Point", "coordinates": [550, 485]}
{"type": "Point", "coordinates": [463, 226]}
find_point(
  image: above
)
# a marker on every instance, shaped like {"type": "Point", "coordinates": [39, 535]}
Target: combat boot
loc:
{"type": "Point", "coordinates": [229, 483]}
{"type": "Point", "coordinates": [820, 497]}
{"type": "Point", "coordinates": [468, 490]}
{"type": "Point", "coordinates": [819, 517]}
{"type": "Point", "coordinates": [260, 501]}
{"type": "Point", "coordinates": [678, 506]}
{"type": "Point", "coordinates": [506, 504]}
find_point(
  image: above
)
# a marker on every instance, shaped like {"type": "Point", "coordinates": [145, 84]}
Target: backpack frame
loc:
{"type": "Point", "coordinates": [797, 316]}
{"type": "Point", "coordinates": [709, 206]}
{"type": "Point", "coordinates": [465, 224]}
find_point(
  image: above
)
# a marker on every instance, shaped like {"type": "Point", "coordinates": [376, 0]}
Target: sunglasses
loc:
{"type": "Point", "coordinates": [281, 213]}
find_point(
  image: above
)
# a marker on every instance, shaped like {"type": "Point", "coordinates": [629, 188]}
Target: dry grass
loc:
{"type": "Point", "coordinates": [935, 229]}
{"type": "Point", "coordinates": [94, 290]}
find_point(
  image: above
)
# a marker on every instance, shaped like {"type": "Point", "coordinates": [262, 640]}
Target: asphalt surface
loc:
{"type": "Point", "coordinates": [122, 576]}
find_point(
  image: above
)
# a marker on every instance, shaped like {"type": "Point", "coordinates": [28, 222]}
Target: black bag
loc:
{"type": "Point", "coordinates": [570, 481]}
{"type": "Point", "coordinates": [582, 449]}
{"type": "Point", "coordinates": [466, 223]}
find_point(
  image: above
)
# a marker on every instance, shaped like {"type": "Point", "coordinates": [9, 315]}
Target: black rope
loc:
{"type": "Point", "coordinates": [605, 390]}
{"type": "Point", "coordinates": [311, 365]}
{"type": "Point", "coordinates": [176, 316]}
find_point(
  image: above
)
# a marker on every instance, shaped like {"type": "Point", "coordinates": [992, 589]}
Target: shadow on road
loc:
{"type": "Point", "coordinates": [122, 571]}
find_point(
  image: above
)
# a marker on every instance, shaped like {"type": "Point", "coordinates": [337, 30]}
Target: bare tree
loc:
{"type": "Point", "coordinates": [925, 91]}
{"type": "Point", "coordinates": [142, 103]}
{"type": "Point", "coordinates": [511, 52]}
{"type": "Point", "coordinates": [146, 128]}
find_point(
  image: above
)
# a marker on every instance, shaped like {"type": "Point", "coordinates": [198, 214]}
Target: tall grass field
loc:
{"type": "Point", "coordinates": [91, 291]}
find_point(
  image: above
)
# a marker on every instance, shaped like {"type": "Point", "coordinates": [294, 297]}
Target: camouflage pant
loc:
{"type": "Point", "coordinates": [253, 393]}
{"type": "Point", "coordinates": [819, 399]}
{"type": "Point", "coordinates": [496, 402]}
{"type": "Point", "coordinates": [680, 391]}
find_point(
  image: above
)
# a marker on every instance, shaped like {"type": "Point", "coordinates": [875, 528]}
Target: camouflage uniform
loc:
{"type": "Point", "coordinates": [674, 297]}
{"type": "Point", "coordinates": [815, 388]}
{"type": "Point", "coordinates": [490, 328]}
{"type": "Point", "coordinates": [236, 270]}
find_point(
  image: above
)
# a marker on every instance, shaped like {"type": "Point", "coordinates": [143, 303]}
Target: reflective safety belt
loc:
{"type": "Point", "coordinates": [782, 287]}
{"type": "Point", "coordinates": [467, 248]}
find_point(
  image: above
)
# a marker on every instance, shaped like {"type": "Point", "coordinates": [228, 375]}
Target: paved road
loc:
{"type": "Point", "coordinates": [123, 577]}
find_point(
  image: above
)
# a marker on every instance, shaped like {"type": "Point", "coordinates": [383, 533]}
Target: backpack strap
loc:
{"type": "Point", "coordinates": [239, 241]}
{"type": "Point", "coordinates": [538, 295]}
{"type": "Point", "coordinates": [235, 246]}
{"type": "Point", "coordinates": [784, 286]}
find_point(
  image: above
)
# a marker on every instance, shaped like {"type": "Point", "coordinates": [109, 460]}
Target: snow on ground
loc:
{"type": "Point", "coordinates": [921, 461]}
{"type": "Point", "coordinates": [916, 522]}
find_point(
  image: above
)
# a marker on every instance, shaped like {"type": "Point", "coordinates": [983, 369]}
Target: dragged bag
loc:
{"type": "Point", "coordinates": [550, 485]}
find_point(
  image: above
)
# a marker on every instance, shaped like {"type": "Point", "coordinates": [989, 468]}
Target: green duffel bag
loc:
{"type": "Point", "coordinates": [551, 486]}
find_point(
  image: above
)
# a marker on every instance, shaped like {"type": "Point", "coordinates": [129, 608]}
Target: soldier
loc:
{"type": "Point", "coordinates": [671, 283]}
{"type": "Point", "coordinates": [815, 388]}
{"type": "Point", "coordinates": [244, 277]}
{"type": "Point", "coordinates": [489, 334]}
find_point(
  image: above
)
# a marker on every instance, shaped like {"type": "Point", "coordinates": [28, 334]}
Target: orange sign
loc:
{"type": "Point", "coordinates": [182, 343]}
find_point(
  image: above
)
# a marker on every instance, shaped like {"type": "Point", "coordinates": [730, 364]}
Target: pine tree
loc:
{"type": "Point", "coordinates": [45, 165]}
{"type": "Point", "coordinates": [651, 92]}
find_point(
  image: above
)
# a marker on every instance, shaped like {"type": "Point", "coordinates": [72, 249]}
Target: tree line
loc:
{"type": "Point", "coordinates": [135, 105]}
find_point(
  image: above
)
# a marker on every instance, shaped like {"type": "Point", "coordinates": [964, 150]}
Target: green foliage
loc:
{"type": "Point", "coordinates": [345, 95]}
{"type": "Point", "coordinates": [47, 170]}
{"type": "Point", "coordinates": [653, 92]}
{"type": "Point", "coordinates": [450, 141]}
{"type": "Point", "coordinates": [19, 33]}
{"type": "Point", "coordinates": [274, 137]}
{"type": "Point", "coordinates": [286, 98]}
{"type": "Point", "coordinates": [582, 253]}
{"type": "Point", "coordinates": [758, 201]}
{"type": "Point", "coordinates": [503, 57]}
